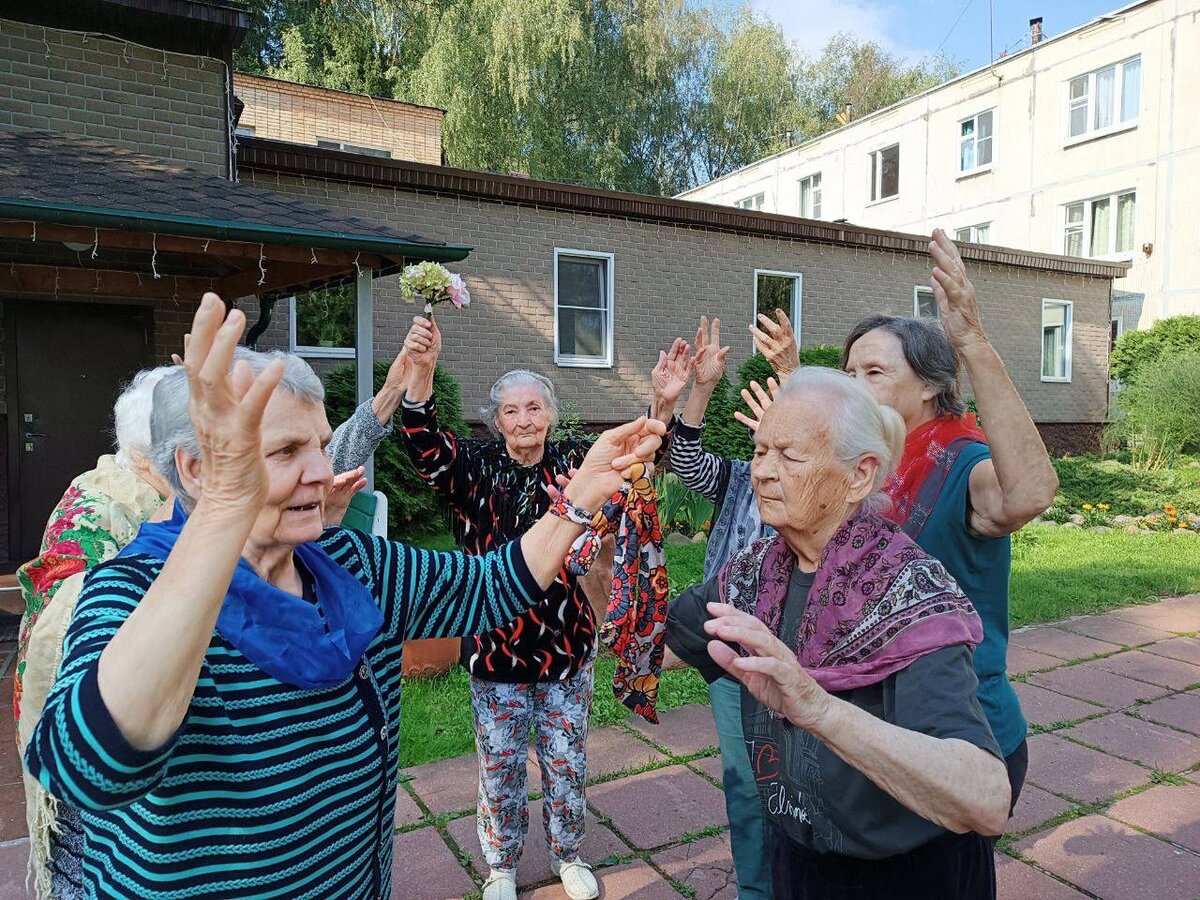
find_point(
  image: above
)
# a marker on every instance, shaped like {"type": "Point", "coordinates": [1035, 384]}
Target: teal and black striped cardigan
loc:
{"type": "Point", "coordinates": [265, 790]}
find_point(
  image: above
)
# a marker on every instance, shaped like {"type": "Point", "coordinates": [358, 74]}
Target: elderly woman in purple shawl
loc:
{"type": "Point", "coordinates": [877, 770]}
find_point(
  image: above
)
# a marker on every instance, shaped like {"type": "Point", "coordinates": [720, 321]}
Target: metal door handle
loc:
{"type": "Point", "coordinates": [30, 435]}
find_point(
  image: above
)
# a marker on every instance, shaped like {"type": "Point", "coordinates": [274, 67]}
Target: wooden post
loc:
{"type": "Point", "coordinates": [364, 354]}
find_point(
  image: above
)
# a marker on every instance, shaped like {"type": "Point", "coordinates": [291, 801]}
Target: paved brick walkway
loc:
{"type": "Point", "coordinates": [1111, 809]}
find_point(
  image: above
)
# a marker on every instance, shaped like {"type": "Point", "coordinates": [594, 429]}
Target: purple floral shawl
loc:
{"type": "Point", "coordinates": [878, 602]}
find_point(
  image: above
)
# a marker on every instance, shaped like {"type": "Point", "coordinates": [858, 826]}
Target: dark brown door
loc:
{"type": "Point", "coordinates": [70, 363]}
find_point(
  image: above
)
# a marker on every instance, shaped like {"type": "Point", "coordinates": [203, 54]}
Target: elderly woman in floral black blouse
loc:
{"type": "Point", "coordinates": [539, 670]}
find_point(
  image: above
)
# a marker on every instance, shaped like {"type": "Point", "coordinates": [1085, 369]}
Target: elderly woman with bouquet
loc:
{"type": "Point", "coordinates": [227, 714]}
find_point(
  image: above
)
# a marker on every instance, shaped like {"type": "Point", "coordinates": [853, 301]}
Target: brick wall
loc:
{"type": "Point", "coordinates": [285, 111]}
{"type": "Point", "coordinates": [666, 276]}
{"type": "Point", "coordinates": [168, 105]}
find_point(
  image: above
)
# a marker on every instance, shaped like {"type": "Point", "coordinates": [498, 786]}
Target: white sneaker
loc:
{"type": "Point", "coordinates": [577, 878]}
{"type": "Point", "coordinates": [501, 885]}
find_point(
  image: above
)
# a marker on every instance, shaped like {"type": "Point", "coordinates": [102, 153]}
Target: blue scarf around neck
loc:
{"type": "Point", "coordinates": [284, 635]}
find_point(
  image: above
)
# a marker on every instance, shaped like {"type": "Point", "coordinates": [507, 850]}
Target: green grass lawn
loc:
{"type": "Point", "coordinates": [1057, 572]}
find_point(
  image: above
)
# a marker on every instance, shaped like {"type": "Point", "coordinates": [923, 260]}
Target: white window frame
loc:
{"type": "Point", "coordinates": [797, 299]}
{"type": "Point", "coordinates": [360, 149]}
{"type": "Point", "coordinates": [588, 362]}
{"type": "Point", "coordinates": [1088, 101]}
{"type": "Point", "coordinates": [1086, 225]}
{"type": "Point", "coordinates": [875, 167]}
{"type": "Point", "coordinates": [754, 202]}
{"type": "Point", "coordinates": [918, 290]}
{"type": "Point", "coordinates": [312, 352]}
{"type": "Point", "coordinates": [1069, 321]}
{"type": "Point", "coordinates": [985, 167]}
{"type": "Point", "coordinates": [811, 194]}
{"type": "Point", "coordinates": [973, 236]}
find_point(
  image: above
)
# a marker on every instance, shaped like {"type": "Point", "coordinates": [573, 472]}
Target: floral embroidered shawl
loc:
{"type": "Point", "coordinates": [878, 602]}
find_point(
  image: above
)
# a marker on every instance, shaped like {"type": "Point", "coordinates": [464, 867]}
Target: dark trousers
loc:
{"type": "Point", "coordinates": [1017, 764]}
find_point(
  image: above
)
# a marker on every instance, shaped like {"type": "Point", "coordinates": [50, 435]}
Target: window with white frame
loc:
{"type": "Point", "coordinates": [778, 290]}
{"type": "Point", "coordinates": [924, 304]}
{"type": "Point", "coordinates": [1056, 340]}
{"type": "Point", "coordinates": [1107, 99]}
{"type": "Point", "coordinates": [583, 308]}
{"type": "Point", "coordinates": [1101, 226]}
{"type": "Point", "coordinates": [810, 196]}
{"type": "Point", "coordinates": [974, 234]}
{"type": "Point", "coordinates": [885, 173]}
{"type": "Point", "coordinates": [244, 130]}
{"type": "Point", "coordinates": [329, 144]}
{"type": "Point", "coordinates": [321, 323]}
{"type": "Point", "coordinates": [975, 142]}
{"type": "Point", "coordinates": [754, 201]}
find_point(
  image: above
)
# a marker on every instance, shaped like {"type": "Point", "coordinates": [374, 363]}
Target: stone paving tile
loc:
{"type": "Point", "coordinates": [1062, 644]}
{"type": "Point", "coordinates": [1149, 744]}
{"type": "Point", "coordinates": [407, 811]}
{"type": "Point", "coordinates": [13, 857]}
{"type": "Point", "coordinates": [706, 866]}
{"type": "Point", "coordinates": [1034, 807]}
{"type": "Point", "coordinates": [448, 785]}
{"type": "Point", "coordinates": [1113, 861]}
{"type": "Point", "coordinates": [534, 867]}
{"type": "Point", "coordinates": [658, 807]}
{"type": "Point", "coordinates": [1017, 881]}
{"type": "Point", "coordinates": [1172, 811]}
{"type": "Point", "coordinates": [1045, 707]}
{"type": "Point", "coordinates": [613, 749]}
{"type": "Point", "coordinates": [1185, 649]}
{"type": "Point", "coordinates": [1180, 614]}
{"type": "Point", "coordinates": [1021, 660]}
{"type": "Point", "coordinates": [1097, 685]}
{"type": "Point", "coordinates": [711, 766]}
{"type": "Point", "coordinates": [632, 881]}
{"type": "Point", "coordinates": [423, 868]}
{"type": "Point", "coordinates": [1079, 772]}
{"type": "Point", "coordinates": [1108, 627]}
{"type": "Point", "coordinates": [12, 810]}
{"type": "Point", "coordinates": [1178, 711]}
{"type": "Point", "coordinates": [683, 731]}
{"type": "Point", "coordinates": [1142, 666]}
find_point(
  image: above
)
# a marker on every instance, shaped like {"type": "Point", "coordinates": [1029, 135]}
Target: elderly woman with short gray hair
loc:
{"type": "Point", "coordinates": [538, 671]}
{"type": "Point", "coordinates": [878, 774]}
{"type": "Point", "coordinates": [228, 710]}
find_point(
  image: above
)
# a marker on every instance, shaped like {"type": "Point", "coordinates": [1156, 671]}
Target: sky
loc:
{"type": "Point", "coordinates": [914, 28]}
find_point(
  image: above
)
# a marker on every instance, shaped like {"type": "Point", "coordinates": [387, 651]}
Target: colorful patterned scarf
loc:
{"type": "Point", "coordinates": [878, 602]}
{"type": "Point", "coordinates": [930, 451]}
{"type": "Point", "coordinates": [634, 626]}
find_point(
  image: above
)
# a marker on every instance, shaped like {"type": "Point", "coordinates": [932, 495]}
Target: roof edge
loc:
{"type": "Point", "coordinates": [302, 160]}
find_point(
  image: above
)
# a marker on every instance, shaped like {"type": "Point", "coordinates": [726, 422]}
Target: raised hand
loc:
{"type": "Point", "coordinates": [759, 400]}
{"type": "Point", "coordinates": [226, 408]}
{"type": "Point", "coordinates": [423, 343]}
{"type": "Point", "coordinates": [345, 486]}
{"type": "Point", "coordinates": [771, 672]}
{"type": "Point", "coordinates": [672, 373]}
{"type": "Point", "coordinates": [709, 364]}
{"type": "Point", "coordinates": [399, 371]}
{"type": "Point", "coordinates": [610, 458]}
{"type": "Point", "coordinates": [958, 307]}
{"type": "Point", "coordinates": [777, 342]}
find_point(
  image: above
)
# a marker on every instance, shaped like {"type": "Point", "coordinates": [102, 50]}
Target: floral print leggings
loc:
{"type": "Point", "coordinates": [558, 714]}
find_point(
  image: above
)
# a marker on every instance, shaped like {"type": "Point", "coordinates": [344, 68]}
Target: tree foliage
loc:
{"type": "Point", "coordinates": [1137, 351]}
{"type": "Point", "coordinates": [653, 96]}
{"type": "Point", "coordinates": [1159, 417]}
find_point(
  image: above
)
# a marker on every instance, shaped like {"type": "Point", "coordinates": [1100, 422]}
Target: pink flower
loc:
{"type": "Point", "coordinates": [459, 295]}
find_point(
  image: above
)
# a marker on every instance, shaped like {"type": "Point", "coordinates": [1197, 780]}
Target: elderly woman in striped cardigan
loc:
{"type": "Point", "coordinates": [227, 712]}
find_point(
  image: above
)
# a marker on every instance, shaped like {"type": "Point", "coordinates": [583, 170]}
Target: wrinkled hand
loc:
{"type": "Point", "coordinates": [345, 486]}
{"type": "Point", "coordinates": [672, 373]}
{"type": "Point", "coordinates": [607, 463]}
{"type": "Point", "coordinates": [709, 364]}
{"type": "Point", "coordinates": [771, 672]}
{"type": "Point", "coordinates": [423, 343]}
{"type": "Point", "coordinates": [759, 400]}
{"type": "Point", "coordinates": [399, 371]}
{"type": "Point", "coordinates": [958, 307]}
{"type": "Point", "coordinates": [777, 342]}
{"type": "Point", "coordinates": [226, 408]}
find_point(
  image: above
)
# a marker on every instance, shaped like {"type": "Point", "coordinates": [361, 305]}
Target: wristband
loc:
{"type": "Point", "coordinates": [564, 509]}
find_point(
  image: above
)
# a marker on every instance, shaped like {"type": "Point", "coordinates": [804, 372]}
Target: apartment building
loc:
{"type": "Point", "coordinates": [1084, 144]}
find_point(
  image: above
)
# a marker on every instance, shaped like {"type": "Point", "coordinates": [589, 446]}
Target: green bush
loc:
{"type": "Point", "coordinates": [413, 508]}
{"type": "Point", "coordinates": [1136, 351]}
{"type": "Point", "coordinates": [681, 509]}
{"type": "Point", "coordinates": [570, 424]}
{"type": "Point", "coordinates": [1127, 491]}
{"type": "Point", "coordinates": [1158, 413]}
{"type": "Point", "coordinates": [821, 355]}
{"type": "Point", "coordinates": [723, 434]}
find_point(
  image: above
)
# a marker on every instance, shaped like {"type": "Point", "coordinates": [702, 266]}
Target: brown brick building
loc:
{"type": "Point", "coordinates": [582, 285]}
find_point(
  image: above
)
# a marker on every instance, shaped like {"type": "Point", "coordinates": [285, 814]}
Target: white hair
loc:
{"type": "Point", "coordinates": [513, 379]}
{"type": "Point", "coordinates": [860, 425]}
{"type": "Point", "coordinates": [131, 415]}
{"type": "Point", "coordinates": [171, 425]}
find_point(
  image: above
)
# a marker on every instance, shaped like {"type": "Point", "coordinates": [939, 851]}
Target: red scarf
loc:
{"type": "Point", "coordinates": [929, 452]}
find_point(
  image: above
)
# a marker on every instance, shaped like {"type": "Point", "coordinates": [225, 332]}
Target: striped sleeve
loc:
{"type": "Point", "coordinates": [76, 750]}
{"type": "Point", "coordinates": [705, 473]}
{"type": "Point", "coordinates": [455, 594]}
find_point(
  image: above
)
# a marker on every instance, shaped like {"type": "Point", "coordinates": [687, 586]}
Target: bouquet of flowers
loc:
{"type": "Point", "coordinates": [433, 283]}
